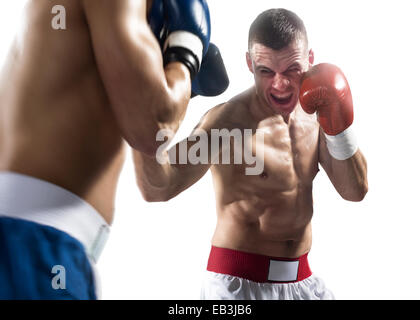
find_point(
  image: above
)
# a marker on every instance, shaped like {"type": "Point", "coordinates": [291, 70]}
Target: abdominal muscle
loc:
{"type": "Point", "coordinates": [280, 229]}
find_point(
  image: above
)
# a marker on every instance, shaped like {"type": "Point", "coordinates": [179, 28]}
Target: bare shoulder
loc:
{"type": "Point", "coordinates": [231, 114]}
{"type": "Point", "coordinates": [116, 12]}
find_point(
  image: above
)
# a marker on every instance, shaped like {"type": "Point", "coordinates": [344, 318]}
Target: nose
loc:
{"type": "Point", "coordinates": [280, 82]}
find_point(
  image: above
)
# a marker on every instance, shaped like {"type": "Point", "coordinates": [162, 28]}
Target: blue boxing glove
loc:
{"type": "Point", "coordinates": [183, 29]}
{"type": "Point", "coordinates": [212, 79]}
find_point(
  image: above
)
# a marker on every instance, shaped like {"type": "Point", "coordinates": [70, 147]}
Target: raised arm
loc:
{"type": "Point", "coordinates": [325, 90]}
{"type": "Point", "coordinates": [144, 96]}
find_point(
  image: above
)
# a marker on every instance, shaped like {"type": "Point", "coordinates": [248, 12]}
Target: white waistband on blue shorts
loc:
{"type": "Point", "coordinates": [35, 200]}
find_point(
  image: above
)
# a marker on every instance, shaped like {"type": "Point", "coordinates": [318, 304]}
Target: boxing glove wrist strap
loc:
{"type": "Point", "coordinates": [184, 47]}
{"type": "Point", "coordinates": [343, 145]}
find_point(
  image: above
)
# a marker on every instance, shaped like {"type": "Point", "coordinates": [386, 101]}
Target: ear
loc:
{"type": "Point", "coordinates": [311, 58]}
{"type": "Point", "coordinates": [249, 62]}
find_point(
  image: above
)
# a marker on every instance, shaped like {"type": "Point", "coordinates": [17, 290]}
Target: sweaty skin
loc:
{"type": "Point", "coordinates": [70, 97]}
{"type": "Point", "coordinates": [269, 213]}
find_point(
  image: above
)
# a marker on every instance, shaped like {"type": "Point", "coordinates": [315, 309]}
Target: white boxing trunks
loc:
{"type": "Point", "coordinates": [237, 275]}
{"type": "Point", "coordinates": [50, 240]}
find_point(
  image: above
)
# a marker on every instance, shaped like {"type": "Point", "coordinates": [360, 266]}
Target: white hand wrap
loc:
{"type": "Point", "coordinates": [342, 146]}
{"type": "Point", "coordinates": [186, 40]}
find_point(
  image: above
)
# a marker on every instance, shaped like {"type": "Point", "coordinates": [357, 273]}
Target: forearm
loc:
{"type": "Point", "coordinates": [147, 98]}
{"type": "Point", "coordinates": [350, 177]}
{"type": "Point", "coordinates": [161, 177]}
{"type": "Point", "coordinates": [345, 165]}
{"type": "Point", "coordinates": [179, 91]}
{"type": "Point", "coordinates": [144, 95]}
{"type": "Point", "coordinates": [153, 178]}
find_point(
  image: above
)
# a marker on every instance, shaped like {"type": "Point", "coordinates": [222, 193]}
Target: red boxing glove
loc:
{"type": "Point", "coordinates": [325, 89]}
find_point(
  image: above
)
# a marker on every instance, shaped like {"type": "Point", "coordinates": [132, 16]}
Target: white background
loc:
{"type": "Point", "coordinates": [367, 250]}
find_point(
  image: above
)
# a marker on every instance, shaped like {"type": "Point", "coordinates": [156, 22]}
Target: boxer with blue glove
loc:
{"type": "Point", "coordinates": [70, 101]}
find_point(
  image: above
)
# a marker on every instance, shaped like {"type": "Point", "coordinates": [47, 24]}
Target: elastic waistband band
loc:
{"type": "Point", "coordinates": [258, 268]}
{"type": "Point", "coordinates": [35, 200]}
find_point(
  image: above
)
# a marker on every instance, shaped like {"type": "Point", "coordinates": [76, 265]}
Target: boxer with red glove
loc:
{"type": "Point", "coordinates": [325, 90]}
{"type": "Point", "coordinates": [263, 234]}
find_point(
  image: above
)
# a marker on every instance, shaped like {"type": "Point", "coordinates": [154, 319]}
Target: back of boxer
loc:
{"type": "Point", "coordinates": [263, 234]}
{"type": "Point", "coordinates": [69, 99]}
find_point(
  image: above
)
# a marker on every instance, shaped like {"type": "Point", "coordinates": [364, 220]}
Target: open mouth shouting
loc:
{"type": "Point", "coordinates": [282, 99]}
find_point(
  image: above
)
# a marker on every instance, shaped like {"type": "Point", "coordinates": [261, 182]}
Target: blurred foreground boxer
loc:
{"type": "Point", "coordinates": [119, 70]}
{"type": "Point", "coordinates": [263, 233]}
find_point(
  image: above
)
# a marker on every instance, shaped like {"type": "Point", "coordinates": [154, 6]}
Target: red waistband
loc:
{"type": "Point", "coordinates": [258, 268]}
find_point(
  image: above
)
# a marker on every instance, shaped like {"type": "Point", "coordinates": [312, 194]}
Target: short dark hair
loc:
{"type": "Point", "coordinates": [276, 29]}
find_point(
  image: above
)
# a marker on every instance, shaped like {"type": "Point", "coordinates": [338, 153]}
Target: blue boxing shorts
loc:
{"type": "Point", "coordinates": [50, 240]}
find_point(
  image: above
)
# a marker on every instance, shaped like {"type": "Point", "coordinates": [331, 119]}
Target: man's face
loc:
{"type": "Point", "coordinates": [278, 74]}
